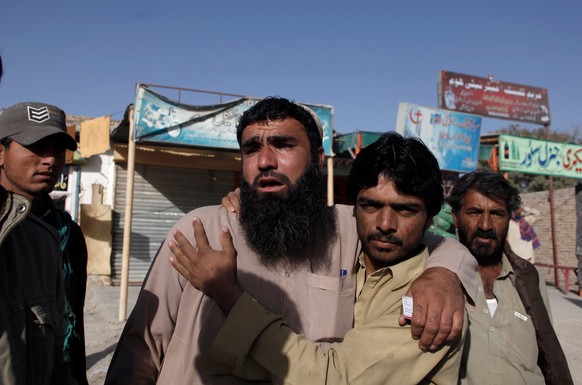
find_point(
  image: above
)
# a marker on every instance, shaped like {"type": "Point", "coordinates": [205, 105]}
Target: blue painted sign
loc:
{"type": "Point", "coordinates": [453, 137]}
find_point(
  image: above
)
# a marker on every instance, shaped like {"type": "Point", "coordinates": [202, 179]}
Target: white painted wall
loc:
{"type": "Point", "coordinates": [98, 169]}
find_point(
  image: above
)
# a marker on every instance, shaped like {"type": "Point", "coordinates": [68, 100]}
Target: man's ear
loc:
{"type": "Point", "coordinates": [320, 157]}
{"type": "Point", "coordinates": [2, 152]}
{"type": "Point", "coordinates": [455, 219]}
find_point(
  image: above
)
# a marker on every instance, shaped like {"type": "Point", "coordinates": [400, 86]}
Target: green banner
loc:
{"type": "Point", "coordinates": [534, 156]}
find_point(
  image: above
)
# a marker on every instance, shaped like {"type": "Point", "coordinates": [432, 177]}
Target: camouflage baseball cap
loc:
{"type": "Point", "coordinates": [27, 123]}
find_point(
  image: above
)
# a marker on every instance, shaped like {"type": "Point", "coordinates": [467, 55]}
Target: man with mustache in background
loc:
{"type": "Point", "coordinates": [511, 339]}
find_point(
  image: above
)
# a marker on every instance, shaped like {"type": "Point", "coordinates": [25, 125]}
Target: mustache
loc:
{"type": "Point", "coordinates": [271, 174]}
{"type": "Point", "coordinates": [491, 234]}
{"type": "Point", "coordinates": [384, 238]}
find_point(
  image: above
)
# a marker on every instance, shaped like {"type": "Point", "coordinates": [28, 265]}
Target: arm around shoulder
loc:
{"type": "Point", "coordinates": [438, 294]}
{"type": "Point", "coordinates": [452, 255]}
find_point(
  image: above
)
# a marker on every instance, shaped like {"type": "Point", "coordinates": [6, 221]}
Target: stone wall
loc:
{"type": "Point", "coordinates": [565, 224]}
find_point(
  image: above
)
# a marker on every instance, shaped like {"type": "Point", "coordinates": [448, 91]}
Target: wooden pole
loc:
{"type": "Point", "coordinates": [127, 222]}
{"type": "Point", "coordinates": [330, 200]}
{"type": "Point", "coordinates": [495, 157]}
{"type": "Point", "coordinates": [553, 223]}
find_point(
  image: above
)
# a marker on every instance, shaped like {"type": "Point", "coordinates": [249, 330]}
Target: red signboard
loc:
{"type": "Point", "coordinates": [493, 98]}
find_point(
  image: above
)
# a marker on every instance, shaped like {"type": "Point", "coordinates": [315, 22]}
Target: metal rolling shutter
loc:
{"type": "Point", "coordinates": [162, 195]}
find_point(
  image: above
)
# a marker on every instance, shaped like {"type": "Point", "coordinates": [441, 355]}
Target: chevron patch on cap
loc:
{"type": "Point", "coordinates": [38, 115]}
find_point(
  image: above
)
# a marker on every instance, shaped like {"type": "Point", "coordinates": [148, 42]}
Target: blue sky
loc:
{"type": "Point", "coordinates": [362, 58]}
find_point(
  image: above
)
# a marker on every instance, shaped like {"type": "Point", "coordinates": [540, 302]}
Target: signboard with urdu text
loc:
{"type": "Point", "coordinates": [493, 98]}
{"type": "Point", "coordinates": [535, 156]}
{"type": "Point", "coordinates": [453, 137]}
{"type": "Point", "coordinates": [163, 120]}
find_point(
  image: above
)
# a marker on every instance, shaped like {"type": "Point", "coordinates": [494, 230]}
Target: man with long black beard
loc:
{"type": "Point", "coordinates": [511, 339]}
{"type": "Point", "coordinates": [299, 262]}
{"type": "Point", "coordinates": [288, 220]}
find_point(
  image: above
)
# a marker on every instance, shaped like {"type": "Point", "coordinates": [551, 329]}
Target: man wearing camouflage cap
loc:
{"type": "Point", "coordinates": [33, 140]}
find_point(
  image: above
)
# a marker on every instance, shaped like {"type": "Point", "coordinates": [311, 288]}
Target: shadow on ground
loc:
{"type": "Point", "coordinates": [92, 359]}
{"type": "Point", "coordinates": [575, 301]}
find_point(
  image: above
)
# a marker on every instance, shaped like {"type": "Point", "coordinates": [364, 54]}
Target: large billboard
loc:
{"type": "Point", "coordinates": [159, 119]}
{"type": "Point", "coordinates": [453, 137]}
{"type": "Point", "coordinates": [535, 156]}
{"type": "Point", "coordinates": [493, 98]}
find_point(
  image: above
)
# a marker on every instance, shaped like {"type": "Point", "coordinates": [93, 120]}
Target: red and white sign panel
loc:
{"type": "Point", "coordinates": [493, 98]}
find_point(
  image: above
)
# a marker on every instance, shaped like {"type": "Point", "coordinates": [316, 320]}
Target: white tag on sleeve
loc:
{"type": "Point", "coordinates": [407, 307]}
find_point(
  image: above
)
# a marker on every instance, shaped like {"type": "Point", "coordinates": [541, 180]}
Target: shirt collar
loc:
{"type": "Point", "coordinates": [506, 270]}
{"type": "Point", "coordinates": [401, 274]}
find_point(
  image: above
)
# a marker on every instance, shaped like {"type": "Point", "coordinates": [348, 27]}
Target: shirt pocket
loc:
{"type": "Point", "coordinates": [524, 354]}
{"type": "Point", "coordinates": [331, 307]}
{"type": "Point", "coordinates": [42, 321]}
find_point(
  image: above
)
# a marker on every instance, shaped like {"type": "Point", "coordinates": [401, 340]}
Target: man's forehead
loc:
{"type": "Point", "coordinates": [274, 127]}
{"type": "Point", "coordinates": [386, 190]}
{"type": "Point", "coordinates": [475, 198]}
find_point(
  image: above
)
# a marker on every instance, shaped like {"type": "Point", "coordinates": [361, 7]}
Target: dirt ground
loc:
{"type": "Point", "coordinates": [102, 327]}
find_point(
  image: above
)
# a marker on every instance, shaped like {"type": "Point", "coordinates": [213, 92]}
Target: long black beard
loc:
{"type": "Point", "coordinates": [279, 228]}
{"type": "Point", "coordinates": [485, 255]}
